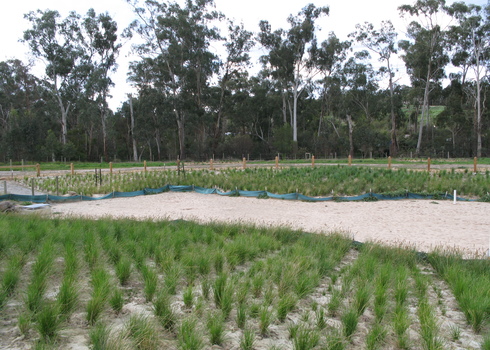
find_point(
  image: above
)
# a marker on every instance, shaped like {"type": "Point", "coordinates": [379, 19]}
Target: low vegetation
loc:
{"type": "Point", "coordinates": [192, 286]}
{"type": "Point", "coordinates": [322, 181]}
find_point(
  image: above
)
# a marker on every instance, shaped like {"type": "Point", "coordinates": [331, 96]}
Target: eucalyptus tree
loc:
{"type": "Point", "coordinates": [21, 102]}
{"type": "Point", "coordinates": [358, 84]}
{"type": "Point", "coordinates": [471, 50]}
{"type": "Point", "coordinates": [176, 43]}
{"type": "Point", "coordinates": [51, 41]}
{"type": "Point", "coordinates": [328, 58]}
{"type": "Point", "coordinates": [238, 44]}
{"type": "Point", "coordinates": [289, 59]}
{"type": "Point", "coordinates": [382, 41]}
{"type": "Point", "coordinates": [98, 36]}
{"type": "Point", "coordinates": [425, 53]}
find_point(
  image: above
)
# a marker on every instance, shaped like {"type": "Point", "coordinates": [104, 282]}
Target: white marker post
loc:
{"type": "Point", "coordinates": [454, 197]}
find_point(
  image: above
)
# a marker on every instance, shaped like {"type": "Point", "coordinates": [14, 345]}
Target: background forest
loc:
{"type": "Point", "coordinates": [329, 98]}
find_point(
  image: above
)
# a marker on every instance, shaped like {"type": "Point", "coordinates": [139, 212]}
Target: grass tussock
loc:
{"type": "Point", "coordinates": [199, 283]}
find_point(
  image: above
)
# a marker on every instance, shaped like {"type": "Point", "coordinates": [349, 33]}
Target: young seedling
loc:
{"type": "Point", "coordinates": [188, 297]}
{"type": "Point", "coordinates": [285, 304]}
{"type": "Point", "coordinates": [117, 300]}
{"type": "Point", "coordinates": [265, 319]}
{"type": "Point", "coordinates": [376, 337]}
{"type": "Point", "coordinates": [163, 310]}
{"type": "Point", "coordinates": [99, 336]}
{"type": "Point", "coordinates": [247, 340]}
{"type": "Point", "coordinates": [241, 315]}
{"type": "Point", "coordinates": [48, 322]}
{"type": "Point", "coordinates": [123, 270]}
{"type": "Point", "coordinates": [143, 333]}
{"type": "Point", "coordinates": [188, 336]}
{"type": "Point", "coordinates": [216, 328]}
{"type": "Point", "coordinates": [305, 338]}
{"type": "Point", "coordinates": [349, 322]}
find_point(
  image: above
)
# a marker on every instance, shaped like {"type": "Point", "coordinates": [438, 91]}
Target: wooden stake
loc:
{"type": "Point", "coordinates": [72, 168]}
{"type": "Point", "coordinates": [428, 164]}
{"type": "Point", "coordinates": [110, 168]}
{"type": "Point", "coordinates": [38, 169]}
{"type": "Point", "coordinates": [144, 165]}
{"type": "Point", "coordinates": [475, 162]}
{"type": "Point", "coordinates": [312, 161]}
{"type": "Point", "coordinates": [277, 162]}
{"type": "Point", "coordinates": [350, 160]}
{"type": "Point", "coordinates": [211, 165]}
{"type": "Point", "coordinates": [244, 163]}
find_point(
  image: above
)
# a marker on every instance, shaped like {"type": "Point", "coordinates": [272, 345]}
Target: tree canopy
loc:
{"type": "Point", "coordinates": [196, 97]}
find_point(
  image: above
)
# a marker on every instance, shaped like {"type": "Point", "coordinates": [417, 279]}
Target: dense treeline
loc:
{"type": "Point", "coordinates": [196, 102]}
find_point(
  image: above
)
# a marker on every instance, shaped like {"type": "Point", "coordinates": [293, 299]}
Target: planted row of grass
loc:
{"type": "Point", "coordinates": [470, 282]}
{"type": "Point", "coordinates": [121, 165]}
{"type": "Point", "coordinates": [196, 284]}
{"type": "Point", "coordinates": [319, 181]}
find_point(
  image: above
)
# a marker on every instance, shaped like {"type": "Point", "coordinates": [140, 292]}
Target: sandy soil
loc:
{"type": "Point", "coordinates": [422, 224]}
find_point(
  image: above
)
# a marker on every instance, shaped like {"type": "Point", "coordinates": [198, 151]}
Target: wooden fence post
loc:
{"type": "Point", "coordinates": [110, 168]}
{"type": "Point", "coordinates": [428, 164]}
{"type": "Point", "coordinates": [475, 163]}
{"type": "Point", "coordinates": [244, 163]}
{"type": "Point", "coordinates": [72, 168]}
{"type": "Point", "coordinates": [144, 165]}
{"type": "Point", "coordinates": [277, 162]}
{"type": "Point", "coordinates": [211, 165]}
{"type": "Point", "coordinates": [350, 160]}
{"type": "Point", "coordinates": [312, 161]}
{"type": "Point", "coordinates": [38, 169]}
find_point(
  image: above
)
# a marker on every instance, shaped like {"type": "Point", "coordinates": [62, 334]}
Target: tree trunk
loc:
{"type": "Point", "coordinates": [322, 112]}
{"type": "Point", "coordinates": [478, 105]}
{"type": "Point", "coordinates": [284, 109]}
{"type": "Point", "coordinates": [393, 144]}
{"type": "Point", "coordinates": [351, 130]}
{"type": "Point", "coordinates": [158, 141]}
{"type": "Point", "coordinates": [425, 109]}
{"type": "Point", "coordinates": [104, 133]}
{"type": "Point", "coordinates": [64, 118]}
{"type": "Point", "coordinates": [181, 133]}
{"type": "Point", "coordinates": [135, 148]}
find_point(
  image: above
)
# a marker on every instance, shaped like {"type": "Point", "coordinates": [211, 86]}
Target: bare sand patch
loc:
{"type": "Point", "coordinates": [423, 224]}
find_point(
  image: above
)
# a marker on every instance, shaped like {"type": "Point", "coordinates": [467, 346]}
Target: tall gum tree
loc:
{"type": "Point", "coordinates": [176, 41]}
{"type": "Point", "coordinates": [237, 45]}
{"type": "Point", "coordinates": [50, 42]}
{"type": "Point", "coordinates": [471, 50]}
{"type": "Point", "coordinates": [425, 53]}
{"type": "Point", "coordinates": [289, 54]}
{"type": "Point", "coordinates": [328, 57]}
{"type": "Point", "coordinates": [382, 41]}
{"type": "Point", "coordinates": [100, 40]}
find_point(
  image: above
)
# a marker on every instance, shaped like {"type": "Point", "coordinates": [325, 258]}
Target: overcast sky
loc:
{"type": "Point", "coordinates": [344, 15]}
